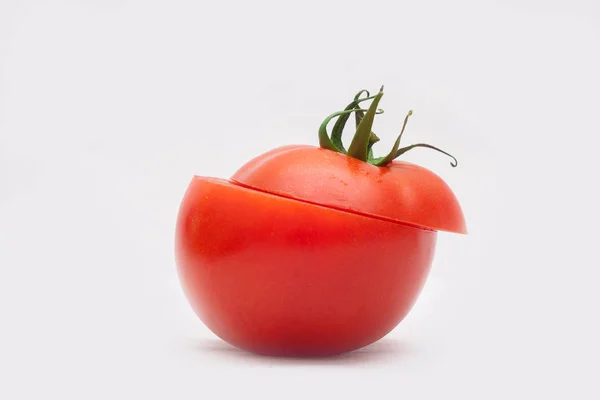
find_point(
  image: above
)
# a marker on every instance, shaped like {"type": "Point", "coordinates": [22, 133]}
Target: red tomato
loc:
{"type": "Point", "coordinates": [399, 192]}
{"type": "Point", "coordinates": [307, 251]}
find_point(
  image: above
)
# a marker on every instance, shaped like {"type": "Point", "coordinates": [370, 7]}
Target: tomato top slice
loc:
{"type": "Point", "coordinates": [400, 192]}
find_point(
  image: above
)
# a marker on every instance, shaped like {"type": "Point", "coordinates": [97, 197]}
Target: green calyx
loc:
{"type": "Point", "coordinates": [364, 138]}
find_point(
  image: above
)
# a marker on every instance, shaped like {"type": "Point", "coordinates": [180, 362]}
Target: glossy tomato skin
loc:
{"type": "Point", "coordinates": [401, 192]}
{"type": "Point", "coordinates": [280, 276]}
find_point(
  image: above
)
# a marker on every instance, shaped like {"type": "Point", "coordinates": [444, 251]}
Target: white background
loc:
{"type": "Point", "coordinates": [107, 109]}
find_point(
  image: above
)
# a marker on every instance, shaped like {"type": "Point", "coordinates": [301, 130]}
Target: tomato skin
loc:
{"type": "Point", "coordinates": [280, 276]}
{"type": "Point", "coordinates": [401, 192]}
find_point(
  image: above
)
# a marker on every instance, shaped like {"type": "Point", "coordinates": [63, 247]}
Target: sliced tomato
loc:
{"type": "Point", "coordinates": [279, 276]}
{"type": "Point", "coordinates": [400, 192]}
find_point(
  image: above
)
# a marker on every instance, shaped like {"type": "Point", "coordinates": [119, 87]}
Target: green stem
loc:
{"type": "Point", "coordinates": [324, 139]}
{"type": "Point", "coordinates": [360, 143]}
{"type": "Point", "coordinates": [392, 154]}
{"type": "Point", "coordinates": [364, 138]}
{"type": "Point", "coordinates": [373, 138]}
{"type": "Point", "coordinates": [403, 150]}
{"type": "Point", "coordinates": [338, 128]}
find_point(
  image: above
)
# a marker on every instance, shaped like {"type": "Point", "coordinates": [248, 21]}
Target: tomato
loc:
{"type": "Point", "coordinates": [312, 250]}
{"type": "Point", "coordinates": [400, 192]}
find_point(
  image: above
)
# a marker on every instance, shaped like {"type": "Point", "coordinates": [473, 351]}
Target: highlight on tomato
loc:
{"type": "Point", "coordinates": [311, 251]}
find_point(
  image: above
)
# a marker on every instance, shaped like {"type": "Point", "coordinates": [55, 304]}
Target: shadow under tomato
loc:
{"type": "Point", "coordinates": [384, 351]}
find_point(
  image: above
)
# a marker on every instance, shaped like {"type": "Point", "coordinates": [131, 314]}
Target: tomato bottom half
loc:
{"type": "Point", "coordinates": [278, 276]}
